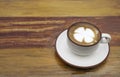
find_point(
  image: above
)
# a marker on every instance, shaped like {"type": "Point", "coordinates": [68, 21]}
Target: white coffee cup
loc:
{"type": "Point", "coordinates": [87, 50]}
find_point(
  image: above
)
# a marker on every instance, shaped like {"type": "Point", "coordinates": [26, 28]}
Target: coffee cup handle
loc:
{"type": "Point", "coordinates": [106, 38]}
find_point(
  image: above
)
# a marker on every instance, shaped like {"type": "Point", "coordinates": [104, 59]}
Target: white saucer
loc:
{"type": "Point", "coordinates": [67, 55]}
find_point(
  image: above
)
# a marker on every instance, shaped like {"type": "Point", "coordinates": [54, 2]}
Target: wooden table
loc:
{"type": "Point", "coordinates": [28, 30]}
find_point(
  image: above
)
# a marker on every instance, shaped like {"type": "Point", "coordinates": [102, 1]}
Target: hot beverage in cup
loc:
{"type": "Point", "coordinates": [84, 34]}
{"type": "Point", "coordinates": [84, 38]}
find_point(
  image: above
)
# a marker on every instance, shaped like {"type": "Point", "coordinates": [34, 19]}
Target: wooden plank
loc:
{"type": "Point", "coordinates": [41, 31]}
{"type": "Point", "coordinates": [44, 62]}
{"type": "Point", "coordinates": [59, 8]}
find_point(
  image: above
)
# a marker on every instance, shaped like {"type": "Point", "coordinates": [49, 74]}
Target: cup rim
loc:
{"type": "Point", "coordinates": [85, 23]}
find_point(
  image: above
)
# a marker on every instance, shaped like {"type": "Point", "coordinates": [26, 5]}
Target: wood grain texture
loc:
{"type": "Point", "coordinates": [27, 47]}
{"type": "Point", "coordinates": [59, 8]}
{"type": "Point", "coordinates": [42, 31]}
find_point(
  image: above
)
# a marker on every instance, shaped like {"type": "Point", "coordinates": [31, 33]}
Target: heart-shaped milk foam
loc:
{"type": "Point", "coordinates": [84, 34]}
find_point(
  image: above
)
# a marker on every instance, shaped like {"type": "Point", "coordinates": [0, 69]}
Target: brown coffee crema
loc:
{"type": "Point", "coordinates": [84, 34]}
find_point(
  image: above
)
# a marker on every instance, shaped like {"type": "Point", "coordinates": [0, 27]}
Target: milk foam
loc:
{"type": "Point", "coordinates": [84, 34]}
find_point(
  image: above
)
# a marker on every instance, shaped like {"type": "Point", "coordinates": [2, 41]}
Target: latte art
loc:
{"type": "Point", "coordinates": [83, 34]}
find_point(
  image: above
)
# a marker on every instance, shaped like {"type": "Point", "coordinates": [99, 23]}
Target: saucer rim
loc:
{"type": "Point", "coordinates": [84, 67]}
